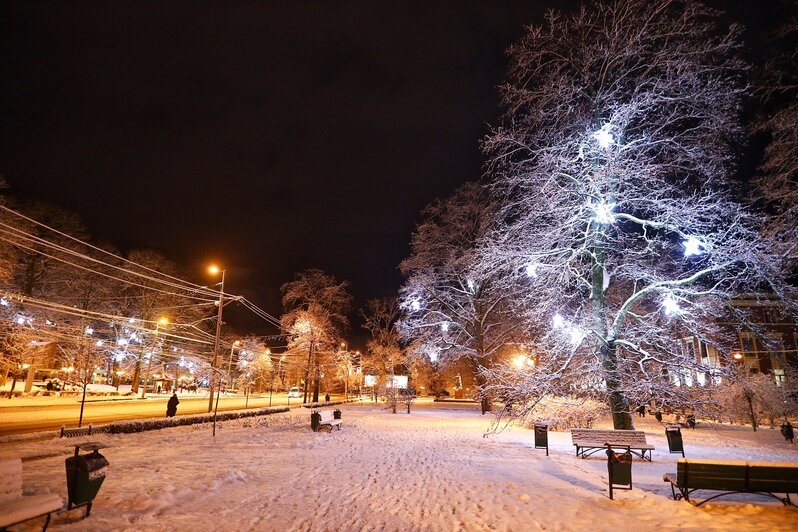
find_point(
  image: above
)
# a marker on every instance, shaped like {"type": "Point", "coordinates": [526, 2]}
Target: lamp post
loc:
{"type": "Point", "coordinates": [214, 270]}
{"type": "Point", "coordinates": [162, 321]}
{"type": "Point", "coordinates": [230, 363]}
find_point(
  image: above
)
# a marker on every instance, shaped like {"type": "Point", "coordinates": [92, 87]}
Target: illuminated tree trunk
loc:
{"type": "Point", "coordinates": [307, 373]}
{"type": "Point", "coordinates": [608, 352]}
{"type": "Point", "coordinates": [136, 374]}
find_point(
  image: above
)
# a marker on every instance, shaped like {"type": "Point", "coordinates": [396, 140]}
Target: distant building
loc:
{"type": "Point", "coordinates": [766, 338]}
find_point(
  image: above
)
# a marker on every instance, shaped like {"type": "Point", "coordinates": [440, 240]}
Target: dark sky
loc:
{"type": "Point", "coordinates": [272, 137]}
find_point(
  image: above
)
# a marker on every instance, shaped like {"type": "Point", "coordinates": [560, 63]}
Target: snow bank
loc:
{"type": "Point", "coordinates": [430, 470]}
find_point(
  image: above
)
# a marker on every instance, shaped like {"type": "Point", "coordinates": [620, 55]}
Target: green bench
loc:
{"type": "Point", "coordinates": [766, 478]}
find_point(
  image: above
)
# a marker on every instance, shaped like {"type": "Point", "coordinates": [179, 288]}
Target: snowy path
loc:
{"type": "Point", "coordinates": [431, 470]}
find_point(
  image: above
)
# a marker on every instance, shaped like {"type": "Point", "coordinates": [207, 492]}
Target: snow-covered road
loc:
{"type": "Point", "coordinates": [430, 470]}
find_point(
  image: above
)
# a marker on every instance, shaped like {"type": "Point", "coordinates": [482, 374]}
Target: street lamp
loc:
{"type": "Point", "coordinates": [214, 270]}
{"type": "Point", "coordinates": [161, 321]}
{"type": "Point", "coordinates": [230, 362]}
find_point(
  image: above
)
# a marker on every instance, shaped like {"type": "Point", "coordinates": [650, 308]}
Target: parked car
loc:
{"type": "Point", "coordinates": [295, 391]}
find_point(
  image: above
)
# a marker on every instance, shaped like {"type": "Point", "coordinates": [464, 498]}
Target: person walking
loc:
{"type": "Point", "coordinates": [788, 432]}
{"type": "Point", "coordinates": [171, 406]}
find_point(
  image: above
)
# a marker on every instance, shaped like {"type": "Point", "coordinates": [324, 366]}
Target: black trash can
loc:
{"type": "Point", "coordinates": [315, 421]}
{"type": "Point", "coordinates": [336, 414]}
{"type": "Point", "coordinates": [542, 436]}
{"type": "Point", "coordinates": [674, 435]}
{"type": "Point", "coordinates": [85, 475]}
{"type": "Point", "coordinates": [619, 467]}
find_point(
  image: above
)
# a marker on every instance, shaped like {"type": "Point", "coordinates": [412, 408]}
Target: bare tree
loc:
{"type": "Point", "coordinates": [614, 161]}
{"type": "Point", "coordinates": [383, 351]}
{"type": "Point", "coordinates": [776, 186]}
{"type": "Point", "coordinates": [316, 308]}
{"type": "Point", "coordinates": [455, 307]}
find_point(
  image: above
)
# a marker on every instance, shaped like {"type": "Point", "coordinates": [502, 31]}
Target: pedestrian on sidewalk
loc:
{"type": "Point", "coordinates": [788, 432]}
{"type": "Point", "coordinates": [171, 406]}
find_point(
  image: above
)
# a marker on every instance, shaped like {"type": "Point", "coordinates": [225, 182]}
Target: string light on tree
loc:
{"type": "Point", "coordinates": [577, 335]}
{"type": "Point", "coordinates": [692, 246]}
{"type": "Point", "coordinates": [558, 321]}
{"type": "Point", "coordinates": [532, 269]}
{"type": "Point", "coordinates": [671, 306]}
{"type": "Point", "coordinates": [604, 136]}
{"type": "Point", "coordinates": [603, 213]}
{"type": "Point", "coordinates": [445, 326]}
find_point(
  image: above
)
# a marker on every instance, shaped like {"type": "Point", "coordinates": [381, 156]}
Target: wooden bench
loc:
{"type": "Point", "coordinates": [16, 508]}
{"type": "Point", "coordinates": [326, 418]}
{"type": "Point", "coordinates": [730, 476]}
{"type": "Point", "coordinates": [589, 441]}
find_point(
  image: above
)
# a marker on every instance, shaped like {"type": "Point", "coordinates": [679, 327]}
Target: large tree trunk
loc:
{"type": "Point", "coordinates": [316, 381]}
{"type": "Point", "coordinates": [619, 404]}
{"type": "Point", "coordinates": [307, 374]}
{"type": "Point", "coordinates": [136, 374]}
{"type": "Point", "coordinates": [749, 399]}
{"type": "Point", "coordinates": [608, 352]}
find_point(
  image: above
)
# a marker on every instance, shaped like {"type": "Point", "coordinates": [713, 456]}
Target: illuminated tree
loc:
{"type": "Point", "coordinates": [383, 353]}
{"type": "Point", "coordinates": [454, 306]}
{"type": "Point", "coordinates": [316, 314]}
{"type": "Point", "coordinates": [614, 160]}
{"type": "Point", "coordinates": [255, 363]}
{"type": "Point", "coordinates": [776, 185]}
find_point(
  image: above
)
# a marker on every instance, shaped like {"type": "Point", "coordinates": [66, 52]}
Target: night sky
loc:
{"type": "Point", "coordinates": [270, 137]}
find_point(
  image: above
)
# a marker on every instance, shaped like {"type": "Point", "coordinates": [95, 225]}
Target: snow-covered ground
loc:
{"type": "Point", "coordinates": [430, 470]}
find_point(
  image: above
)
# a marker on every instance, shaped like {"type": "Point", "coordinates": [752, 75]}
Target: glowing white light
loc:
{"type": "Point", "coordinates": [121, 341]}
{"type": "Point", "coordinates": [415, 304]}
{"type": "Point", "coordinates": [522, 360]}
{"type": "Point", "coordinates": [604, 136]}
{"type": "Point", "coordinates": [471, 285]}
{"type": "Point", "coordinates": [558, 321]}
{"type": "Point", "coordinates": [4, 302]}
{"type": "Point", "coordinates": [131, 320]}
{"type": "Point", "coordinates": [174, 350]}
{"type": "Point", "coordinates": [89, 330]}
{"type": "Point", "coordinates": [119, 357]}
{"type": "Point", "coordinates": [671, 306]}
{"type": "Point", "coordinates": [576, 336]}
{"type": "Point", "coordinates": [532, 269]}
{"type": "Point", "coordinates": [604, 214]}
{"type": "Point", "coordinates": [48, 322]}
{"type": "Point", "coordinates": [445, 326]}
{"type": "Point", "coordinates": [99, 343]}
{"type": "Point", "coordinates": [133, 337]}
{"type": "Point", "coordinates": [21, 320]}
{"type": "Point", "coordinates": [692, 246]}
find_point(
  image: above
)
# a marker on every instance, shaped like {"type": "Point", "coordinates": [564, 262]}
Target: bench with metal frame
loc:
{"type": "Point", "coordinates": [732, 476]}
{"type": "Point", "coordinates": [589, 441]}
{"type": "Point", "coordinates": [325, 418]}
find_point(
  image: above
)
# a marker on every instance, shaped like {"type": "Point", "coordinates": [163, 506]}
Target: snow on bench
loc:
{"type": "Point", "coordinates": [16, 508]}
{"type": "Point", "coordinates": [326, 417]}
{"type": "Point", "coordinates": [733, 476]}
{"type": "Point", "coordinates": [589, 441]}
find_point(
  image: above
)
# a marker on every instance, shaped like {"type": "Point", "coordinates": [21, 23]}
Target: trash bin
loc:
{"type": "Point", "coordinates": [315, 421]}
{"type": "Point", "coordinates": [85, 475]}
{"type": "Point", "coordinates": [542, 436]}
{"type": "Point", "coordinates": [619, 467]}
{"type": "Point", "coordinates": [336, 414]}
{"type": "Point", "coordinates": [674, 435]}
